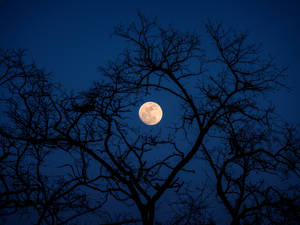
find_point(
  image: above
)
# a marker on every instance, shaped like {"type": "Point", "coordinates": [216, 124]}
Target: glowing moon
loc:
{"type": "Point", "coordinates": [150, 113]}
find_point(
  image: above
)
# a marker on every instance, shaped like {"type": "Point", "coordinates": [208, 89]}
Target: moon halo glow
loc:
{"type": "Point", "coordinates": [150, 113]}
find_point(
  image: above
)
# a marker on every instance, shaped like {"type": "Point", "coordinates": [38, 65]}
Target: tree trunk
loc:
{"type": "Point", "coordinates": [148, 215]}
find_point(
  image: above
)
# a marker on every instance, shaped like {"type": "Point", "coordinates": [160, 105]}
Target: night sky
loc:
{"type": "Point", "coordinates": [71, 39]}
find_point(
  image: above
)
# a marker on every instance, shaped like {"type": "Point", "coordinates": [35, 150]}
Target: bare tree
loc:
{"type": "Point", "coordinates": [27, 143]}
{"type": "Point", "coordinates": [106, 158]}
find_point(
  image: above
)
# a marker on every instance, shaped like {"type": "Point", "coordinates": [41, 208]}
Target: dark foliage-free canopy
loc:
{"type": "Point", "coordinates": [66, 156]}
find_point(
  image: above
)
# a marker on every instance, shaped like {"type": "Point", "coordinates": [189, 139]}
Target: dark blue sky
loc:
{"type": "Point", "coordinates": [72, 38]}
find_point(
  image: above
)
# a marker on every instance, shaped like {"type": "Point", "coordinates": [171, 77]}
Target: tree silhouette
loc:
{"type": "Point", "coordinates": [66, 156]}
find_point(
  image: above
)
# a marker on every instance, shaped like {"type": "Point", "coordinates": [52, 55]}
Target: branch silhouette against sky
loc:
{"type": "Point", "coordinates": [220, 153]}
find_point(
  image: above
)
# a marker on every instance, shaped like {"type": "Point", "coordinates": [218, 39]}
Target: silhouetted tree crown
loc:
{"type": "Point", "coordinates": [71, 158]}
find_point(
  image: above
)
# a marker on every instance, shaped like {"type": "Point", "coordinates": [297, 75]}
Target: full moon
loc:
{"type": "Point", "coordinates": [150, 113]}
